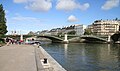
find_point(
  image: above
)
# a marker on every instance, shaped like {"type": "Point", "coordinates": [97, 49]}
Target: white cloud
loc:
{"type": "Point", "coordinates": [68, 5]}
{"type": "Point", "coordinates": [19, 1]}
{"type": "Point", "coordinates": [21, 18]}
{"type": "Point", "coordinates": [31, 20]}
{"type": "Point", "coordinates": [72, 18]}
{"type": "Point", "coordinates": [39, 5]}
{"type": "Point", "coordinates": [110, 4]}
{"type": "Point", "coordinates": [36, 5]}
{"type": "Point", "coordinates": [24, 23]}
{"type": "Point", "coordinates": [84, 6]}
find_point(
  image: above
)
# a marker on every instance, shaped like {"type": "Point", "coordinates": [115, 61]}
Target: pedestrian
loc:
{"type": "Point", "coordinates": [7, 41]}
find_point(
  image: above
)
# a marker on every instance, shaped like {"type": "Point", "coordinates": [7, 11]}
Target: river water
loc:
{"type": "Point", "coordinates": [86, 57]}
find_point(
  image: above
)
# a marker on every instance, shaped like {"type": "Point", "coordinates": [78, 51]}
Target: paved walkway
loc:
{"type": "Point", "coordinates": [17, 58]}
{"type": "Point", "coordinates": [26, 58]}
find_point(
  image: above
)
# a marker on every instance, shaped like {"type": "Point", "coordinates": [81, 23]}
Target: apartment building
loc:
{"type": "Point", "coordinates": [90, 27]}
{"type": "Point", "coordinates": [105, 27]}
{"type": "Point", "coordinates": [80, 29]}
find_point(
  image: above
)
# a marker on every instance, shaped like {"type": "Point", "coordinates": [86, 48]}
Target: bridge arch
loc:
{"type": "Point", "coordinates": [53, 38]}
{"type": "Point", "coordinates": [91, 38]}
{"type": "Point", "coordinates": [116, 37]}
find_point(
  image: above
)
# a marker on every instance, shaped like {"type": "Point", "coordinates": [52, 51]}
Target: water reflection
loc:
{"type": "Point", "coordinates": [108, 49]}
{"type": "Point", "coordinates": [86, 57]}
{"type": "Point", "coordinates": [83, 56]}
{"type": "Point", "coordinates": [65, 49]}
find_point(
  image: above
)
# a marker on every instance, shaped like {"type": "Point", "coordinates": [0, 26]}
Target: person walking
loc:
{"type": "Point", "coordinates": [8, 41]}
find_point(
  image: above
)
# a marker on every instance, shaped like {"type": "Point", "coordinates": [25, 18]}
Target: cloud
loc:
{"type": "Point", "coordinates": [69, 5]}
{"type": "Point", "coordinates": [109, 4]}
{"type": "Point", "coordinates": [25, 20]}
{"type": "Point", "coordinates": [72, 18]}
{"type": "Point", "coordinates": [21, 18]}
{"type": "Point", "coordinates": [84, 6]}
{"type": "Point", "coordinates": [39, 5]}
{"type": "Point", "coordinates": [36, 5]}
{"type": "Point", "coordinates": [24, 23]}
{"type": "Point", "coordinates": [19, 1]}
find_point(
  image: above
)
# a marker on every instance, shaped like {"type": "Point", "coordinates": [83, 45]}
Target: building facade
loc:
{"type": "Point", "coordinates": [90, 27]}
{"type": "Point", "coordinates": [105, 27]}
{"type": "Point", "coordinates": [80, 29]}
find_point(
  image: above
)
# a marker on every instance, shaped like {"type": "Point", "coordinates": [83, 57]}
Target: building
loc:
{"type": "Point", "coordinates": [119, 24]}
{"type": "Point", "coordinates": [90, 27]}
{"type": "Point", "coordinates": [44, 32]}
{"type": "Point", "coordinates": [55, 31]}
{"type": "Point", "coordinates": [80, 29]}
{"type": "Point", "coordinates": [70, 30]}
{"type": "Point", "coordinates": [105, 27]}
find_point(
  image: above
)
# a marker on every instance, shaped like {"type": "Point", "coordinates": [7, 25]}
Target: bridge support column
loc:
{"type": "Point", "coordinates": [66, 40]}
{"type": "Point", "coordinates": [21, 37]}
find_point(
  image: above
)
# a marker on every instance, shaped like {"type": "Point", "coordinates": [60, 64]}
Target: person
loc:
{"type": "Point", "coordinates": [7, 41]}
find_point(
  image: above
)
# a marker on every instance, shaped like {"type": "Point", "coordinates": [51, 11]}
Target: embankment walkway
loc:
{"type": "Point", "coordinates": [26, 58]}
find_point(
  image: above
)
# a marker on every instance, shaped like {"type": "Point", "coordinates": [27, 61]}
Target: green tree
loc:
{"type": "Point", "coordinates": [115, 37]}
{"type": "Point", "coordinates": [71, 33]}
{"type": "Point", "coordinates": [3, 27]}
{"type": "Point", "coordinates": [88, 32]}
{"type": "Point", "coordinates": [31, 33]}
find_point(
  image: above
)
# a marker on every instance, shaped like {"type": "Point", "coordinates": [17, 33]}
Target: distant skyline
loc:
{"type": "Point", "coordinates": [38, 15]}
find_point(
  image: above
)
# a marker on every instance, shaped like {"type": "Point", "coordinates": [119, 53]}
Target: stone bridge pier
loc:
{"type": "Point", "coordinates": [109, 39]}
{"type": "Point", "coordinates": [65, 39]}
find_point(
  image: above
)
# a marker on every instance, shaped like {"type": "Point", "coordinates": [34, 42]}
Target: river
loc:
{"type": "Point", "coordinates": [86, 57]}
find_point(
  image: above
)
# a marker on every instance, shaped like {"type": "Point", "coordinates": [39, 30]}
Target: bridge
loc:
{"type": "Point", "coordinates": [91, 38]}
{"type": "Point", "coordinates": [116, 37]}
{"type": "Point", "coordinates": [68, 38]}
{"type": "Point", "coordinates": [53, 38]}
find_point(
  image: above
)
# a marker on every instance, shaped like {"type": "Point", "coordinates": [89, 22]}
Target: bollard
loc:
{"type": "Point", "coordinates": [38, 46]}
{"type": "Point", "coordinates": [45, 61]}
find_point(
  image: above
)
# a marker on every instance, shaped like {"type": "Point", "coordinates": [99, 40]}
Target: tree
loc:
{"type": "Point", "coordinates": [72, 33]}
{"type": "Point", "coordinates": [31, 33]}
{"type": "Point", "coordinates": [88, 32]}
{"type": "Point", "coordinates": [116, 19]}
{"type": "Point", "coordinates": [3, 27]}
{"type": "Point", "coordinates": [115, 37]}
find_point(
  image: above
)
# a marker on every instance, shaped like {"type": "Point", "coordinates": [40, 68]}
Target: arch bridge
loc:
{"type": "Point", "coordinates": [53, 38]}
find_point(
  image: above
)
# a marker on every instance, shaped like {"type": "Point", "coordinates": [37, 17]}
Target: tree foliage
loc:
{"type": "Point", "coordinates": [71, 33]}
{"type": "Point", "coordinates": [115, 37]}
{"type": "Point", "coordinates": [31, 33]}
{"type": "Point", "coordinates": [88, 32]}
{"type": "Point", "coordinates": [3, 27]}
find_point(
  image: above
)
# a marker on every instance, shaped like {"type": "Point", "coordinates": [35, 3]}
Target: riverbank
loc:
{"type": "Point", "coordinates": [27, 58]}
{"type": "Point", "coordinates": [52, 63]}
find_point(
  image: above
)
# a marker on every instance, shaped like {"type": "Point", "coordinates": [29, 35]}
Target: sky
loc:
{"type": "Point", "coordinates": [38, 15]}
